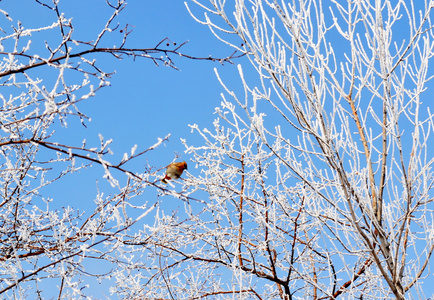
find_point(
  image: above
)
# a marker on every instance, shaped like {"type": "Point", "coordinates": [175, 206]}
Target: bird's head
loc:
{"type": "Point", "coordinates": [184, 165]}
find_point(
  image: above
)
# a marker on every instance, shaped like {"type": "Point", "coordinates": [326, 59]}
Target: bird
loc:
{"type": "Point", "coordinates": [174, 171]}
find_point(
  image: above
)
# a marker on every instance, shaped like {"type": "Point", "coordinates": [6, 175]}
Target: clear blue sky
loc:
{"type": "Point", "coordinates": [144, 102]}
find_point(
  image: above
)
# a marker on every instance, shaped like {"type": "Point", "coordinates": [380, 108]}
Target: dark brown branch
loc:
{"type": "Point", "coordinates": [240, 217]}
{"type": "Point", "coordinates": [366, 264]}
{"type": "Point", "coordinates": [135, 52]}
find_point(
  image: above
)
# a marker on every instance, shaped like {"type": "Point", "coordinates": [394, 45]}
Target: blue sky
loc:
{"type": "Point", "coordinates": [144, 102]}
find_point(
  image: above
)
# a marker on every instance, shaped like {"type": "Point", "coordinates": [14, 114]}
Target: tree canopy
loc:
{"type": "Point", "coordinates": [314, 182]}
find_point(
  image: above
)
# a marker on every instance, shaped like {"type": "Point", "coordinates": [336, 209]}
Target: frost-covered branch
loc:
{"type": "Point", "coordinates": [332, 121]}
{"type": "Point", "coordinates": [54, 231]}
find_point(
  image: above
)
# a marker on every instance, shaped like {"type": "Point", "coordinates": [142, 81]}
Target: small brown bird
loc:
{"type": "Point", "coordinates": [174, 171]}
